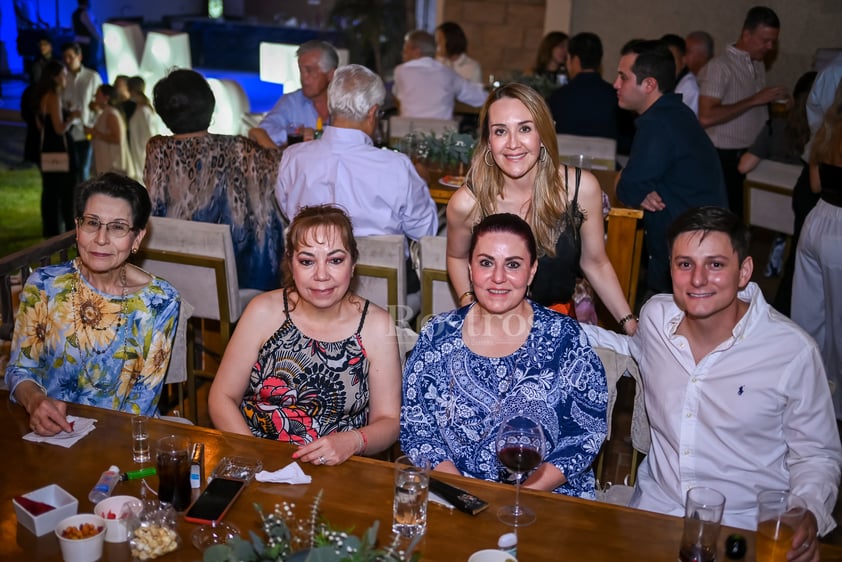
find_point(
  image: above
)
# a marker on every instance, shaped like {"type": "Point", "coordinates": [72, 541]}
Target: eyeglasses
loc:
{"type": "Point", "coordinates": [91, 225]}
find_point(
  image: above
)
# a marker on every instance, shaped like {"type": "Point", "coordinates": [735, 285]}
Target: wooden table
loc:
{"type": "Point", "coordinates": [355, 494]}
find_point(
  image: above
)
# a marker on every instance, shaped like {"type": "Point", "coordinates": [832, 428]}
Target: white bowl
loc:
{"type": "Point", "coordinates": [63, 503]}
{"type": "Point", "coordinates": [491, 555]}
{"type": "Point", "coordinates": [81, 550]}
{"type": "Point", "coordinates": [115, 526]}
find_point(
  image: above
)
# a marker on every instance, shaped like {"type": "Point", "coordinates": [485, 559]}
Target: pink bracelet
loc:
{"type": "Point", "coordinates": [365, 441]}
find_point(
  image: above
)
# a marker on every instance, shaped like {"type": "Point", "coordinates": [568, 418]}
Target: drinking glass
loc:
{"type": "Point", "coordinates": [703, 509]}
{"type": "Point", "coordinates": [140, 439]}
{"type": "Point", "coordinates": [778, 515]}
{"type": "Point", "coordinates": [174, 471]}
{"type": "Point", "coordinates": [412, 483]}
{"type": "Point", "coordinates": [520, 447]}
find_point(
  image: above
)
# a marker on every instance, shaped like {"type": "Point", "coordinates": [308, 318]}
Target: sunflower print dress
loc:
{"type": "Point", "coordinates": [84, 346]}
{"type": "Point", "coordinates": [301, 389]}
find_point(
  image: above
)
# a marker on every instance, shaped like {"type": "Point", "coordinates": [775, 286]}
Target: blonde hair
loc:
{"type": "Point", "coordinates": [827, 146]}
{"type": "Point", "coordinates": [547, 214]}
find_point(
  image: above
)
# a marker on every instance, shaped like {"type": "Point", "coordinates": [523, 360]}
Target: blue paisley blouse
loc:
{"type": "Point", "coordinates": [87, 347]}
{"type": "Point", "coordinates": [455, 400]}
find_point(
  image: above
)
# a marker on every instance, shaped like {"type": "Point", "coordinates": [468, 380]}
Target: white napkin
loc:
{"type": "Point", "coordinates": [81, 427]}
{"type": "Point", "coordinates": [290, 474]}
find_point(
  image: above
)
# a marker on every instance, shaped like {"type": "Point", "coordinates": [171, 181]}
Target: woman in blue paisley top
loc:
{"type": "Point", "coordinates": [313, 364]}
{"type": "Point", "coordinates": [500, 355]}
{"type": "Point", "coordinates": [96, 330]}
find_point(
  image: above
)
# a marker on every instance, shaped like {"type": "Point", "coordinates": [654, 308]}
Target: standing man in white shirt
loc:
{"type": "Point", "coordinates": [424, 87]}
{"type": "Point", "coordinates": [736, 393]}
{"type": "Point", "coordinates": [685, 81]}
{"type": "Point", "coordinates": [82, 84]}
{"type": "Point", "coordinates": [733, 96]}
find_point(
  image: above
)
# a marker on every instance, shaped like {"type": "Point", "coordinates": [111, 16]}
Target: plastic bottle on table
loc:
{"type": "Point", "coordinates": [105, 484]}
{"type": "Point", "coordinates": [508, 543]}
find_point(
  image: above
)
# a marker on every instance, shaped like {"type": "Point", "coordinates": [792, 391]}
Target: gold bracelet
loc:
{"type": "Point", "coordinates": [466, 294]}
{"type": "Point", "coordinates": [625, 320]}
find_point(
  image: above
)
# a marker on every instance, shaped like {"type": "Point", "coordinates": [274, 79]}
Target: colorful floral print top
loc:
{"type": "Point", "coordinates": [301, 389]}
{"type": "Point", "coordinates": [88, 347]}
{"type": "Point", "coordinates": [455, 400]}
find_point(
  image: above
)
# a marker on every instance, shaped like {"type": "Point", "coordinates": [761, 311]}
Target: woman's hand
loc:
{"type": "Point", "coordinates": [47, 416]}
{"type": "Point", "coordinates": [331, 449]}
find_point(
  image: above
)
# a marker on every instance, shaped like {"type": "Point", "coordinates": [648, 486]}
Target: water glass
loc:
{"type": "Point", "coordinates": [174, 471]}
{"type": "Point", "coordinates": [702, 517]}
{"type": "Point", "coordinates": [778, 515]}
{"type": "Point", "coordinates": [140, 439]}
{"type": "Point", "coordinates": [409, 511]}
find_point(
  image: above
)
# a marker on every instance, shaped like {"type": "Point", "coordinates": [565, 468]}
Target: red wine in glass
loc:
{"type": "Point", "coordinates": [519, 446]}
{"type": "Point", "coordinates": [519, 458]}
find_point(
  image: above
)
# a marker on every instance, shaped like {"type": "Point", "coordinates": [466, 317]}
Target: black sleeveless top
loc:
{"type": "Point", "coordinates": [555, 279]}
{"type": "Point", "coordinates": [831, 180]}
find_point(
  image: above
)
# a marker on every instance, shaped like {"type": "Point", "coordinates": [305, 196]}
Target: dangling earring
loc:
{"type": "Point", "coordinates": [542, 154]}
{"type": "Point", "coordinates": [485, 158]}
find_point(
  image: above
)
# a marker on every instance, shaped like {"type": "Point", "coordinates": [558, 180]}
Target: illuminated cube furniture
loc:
{"type": "Point", "coordinates": [164, 50]}
{"type": "Point", "coordinates": [768, 195]}
{"type": "Point", "coordinates": [123, 48]}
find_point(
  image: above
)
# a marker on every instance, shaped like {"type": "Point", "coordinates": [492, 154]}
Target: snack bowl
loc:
{"type": "Point", "coordinates": [63, 504]}
{"type": "Point", "coordinates": [87, 549]}
{"type": "Point", "coordinates": [116, 512]}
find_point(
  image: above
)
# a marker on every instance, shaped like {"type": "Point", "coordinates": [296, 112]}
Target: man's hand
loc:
{"type": "Point", "coordinates": [770, 94]}
{"type": "Point", "coordinates": [805, 543]}
{"type": "Point", "coordinates": [653, 202]}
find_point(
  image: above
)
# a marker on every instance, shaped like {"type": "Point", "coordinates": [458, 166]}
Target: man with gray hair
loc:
{"type": "Point", "coordinates": [699, 47]}
{"type": "Point", "coordinates": [317, 61]}
{"type": "Point", "coordinates": [379, 189]}
{"type": "Point", "coordinates": [426, 88]}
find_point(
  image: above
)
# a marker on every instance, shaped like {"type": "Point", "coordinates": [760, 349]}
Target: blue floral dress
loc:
{"type": "Point", "coordinates": [88, 347]}
{"type": "Point", "coordinates": [455, 400]}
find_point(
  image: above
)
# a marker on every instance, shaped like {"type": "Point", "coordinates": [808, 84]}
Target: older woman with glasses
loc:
{"type": "Point", "coordinates": [95, 330]}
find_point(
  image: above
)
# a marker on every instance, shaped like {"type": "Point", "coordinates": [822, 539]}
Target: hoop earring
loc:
{"type": "Point", "coordinates": [542, 154]}
{"type": "Point", "coordinates": [485, 158]}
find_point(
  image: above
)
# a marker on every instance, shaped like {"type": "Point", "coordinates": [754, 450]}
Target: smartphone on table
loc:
{"type": "Point", "coordinates": [213, 503]}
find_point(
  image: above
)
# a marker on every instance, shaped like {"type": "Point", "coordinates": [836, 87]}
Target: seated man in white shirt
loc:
{"type": "Point", "coordinates": [736, 393]}
{"type": "Point", "coordinates": [380, 189]}
{"type": "Point", "coordinates": [424, 87]}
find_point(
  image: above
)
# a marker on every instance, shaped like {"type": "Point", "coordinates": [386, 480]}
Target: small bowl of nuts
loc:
{"type": "Point", "coordinates": [153, 534]}
{"type": "Point", "coordinates": [81, 537]}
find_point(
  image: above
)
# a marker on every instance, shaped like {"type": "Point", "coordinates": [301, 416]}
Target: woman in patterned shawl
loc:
{"type": "Point", "coordinates": [313, 364]}
{"type": "Point", "coordinates": [504, 354]}
{"type": "Point", "coordinates": [96, 330]}
{"type": "Point", "coordinates": [224, 179]}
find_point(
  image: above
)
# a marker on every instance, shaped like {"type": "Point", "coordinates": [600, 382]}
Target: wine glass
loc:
{"type": "Point", "coordinates": [520, 447]}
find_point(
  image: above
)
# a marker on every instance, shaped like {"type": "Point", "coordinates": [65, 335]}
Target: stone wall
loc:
{"type": "Point", "coordinates": [503, 35]}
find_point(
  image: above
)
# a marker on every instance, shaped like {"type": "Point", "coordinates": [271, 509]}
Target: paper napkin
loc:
{"type": "Point", "coordinates": [81, 427]}
{"type": "Point", "coordinates": [290, 474]}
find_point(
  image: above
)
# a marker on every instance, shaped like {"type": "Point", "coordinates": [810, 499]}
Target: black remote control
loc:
{"type": "Point", "coordinates": [461, 499]}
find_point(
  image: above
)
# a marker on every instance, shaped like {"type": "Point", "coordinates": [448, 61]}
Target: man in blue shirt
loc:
{"type": "Point", "coordinates": [316, 62]}
{"type": "Point", "coordinates": [587, 105]}
{"type": "Point", "coordinates": [673, 165]}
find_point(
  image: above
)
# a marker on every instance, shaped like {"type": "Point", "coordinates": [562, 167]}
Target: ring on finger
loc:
{"type": "Point", "coordinates": [321, 460]}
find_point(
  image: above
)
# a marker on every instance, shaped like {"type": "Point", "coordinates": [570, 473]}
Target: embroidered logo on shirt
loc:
{"type": "Point", "coordinates": [741, 390]}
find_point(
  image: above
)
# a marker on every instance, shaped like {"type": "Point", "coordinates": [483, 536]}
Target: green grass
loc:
{"type": "Point", "coordinates": [20, 209]}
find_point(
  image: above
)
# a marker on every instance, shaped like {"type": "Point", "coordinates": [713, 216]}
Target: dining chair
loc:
{"type": "Point", "coordinates": [197, 258]}
{"type": "Point", "coordinates": [598, 153]}
{"type": "Point", "coordinates": [380, 274]}
{"type": "Point", "coordinates": [768, 195]}
{"type": "Point", "coordinates": [616, 366]}
{"type": "Point", "coordinates": [436, 291]}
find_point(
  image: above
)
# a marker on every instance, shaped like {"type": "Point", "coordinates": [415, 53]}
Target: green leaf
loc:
{"type": "Point", "coordinates": [217, 553]}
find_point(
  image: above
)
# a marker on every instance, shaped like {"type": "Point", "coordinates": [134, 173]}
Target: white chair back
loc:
{"type": "Point", "coordinates": [436, 291]}
{"type": "Point", "coordinates": [183, 252]}
{"type": "Point", "coordinates": [598, 153]}
{"type": "Point", "coordinates": [381, 274]}
{"type": "Point", "coordinates": [399, 127]}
